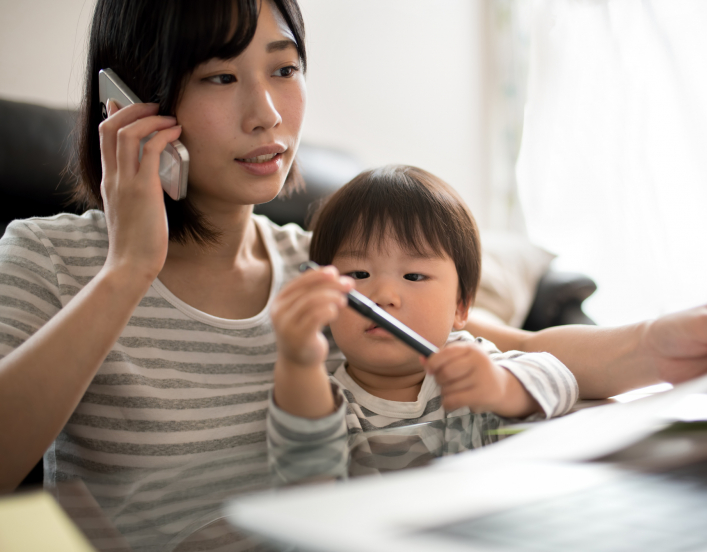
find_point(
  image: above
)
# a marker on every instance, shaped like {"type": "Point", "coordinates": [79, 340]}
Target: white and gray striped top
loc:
{"type": "Point", "coordinates": [301, 448]}
{"type": "Point", "coordinates": [179, 387]}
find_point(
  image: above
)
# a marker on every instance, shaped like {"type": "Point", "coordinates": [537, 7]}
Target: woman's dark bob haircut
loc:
{"type": "Point", "coordinates": [154, 46]}
{"type": "Point", "coordinates": [416, 208]}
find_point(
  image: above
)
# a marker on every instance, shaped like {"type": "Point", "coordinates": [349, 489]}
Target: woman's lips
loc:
{"type": "Point", "coordinates": [261, 168]}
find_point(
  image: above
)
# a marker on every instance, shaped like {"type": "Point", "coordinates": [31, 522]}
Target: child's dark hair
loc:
{"type": "Point", "coordinates": [418, 209]}
{"type": "Point", "coordinates": [154, 46]}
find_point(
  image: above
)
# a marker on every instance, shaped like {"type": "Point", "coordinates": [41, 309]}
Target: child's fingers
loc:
{"type": "Point", "coordinates": [437, 361]}
{"type": "Point", "coordinates": [307, 312]}
{"type": "Point", "coordinates": [322, 303]}
{"type": "Point", "coordinates": [454, 372]}
{"type": "Point", "coordinates": [310, 296]}
{"type": "Point", "coordinates": [300, 338]}
{"type": "Point", "coordinates": [308, 284]}
{"type": "Point", "coordinates": [452, 401]}
{"type": "Point", "coordinates": [311, 280]}
{"type": "Point", "coordinates": [316, 310]}
{"type": "Point", "coordinates": [465, 383]}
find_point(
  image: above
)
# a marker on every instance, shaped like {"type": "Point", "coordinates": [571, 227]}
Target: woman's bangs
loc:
{"type": "Point", "coordinates": [225, 36]}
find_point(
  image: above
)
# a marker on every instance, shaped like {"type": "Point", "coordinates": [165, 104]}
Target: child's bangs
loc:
{"type": "Point", "coordinates": [417, 237]}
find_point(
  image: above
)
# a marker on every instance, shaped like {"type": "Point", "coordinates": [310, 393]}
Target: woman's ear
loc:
{"type": "Point", "coordinates": [461, 315]}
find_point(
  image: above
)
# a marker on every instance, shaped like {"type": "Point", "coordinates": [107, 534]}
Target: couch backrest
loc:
{"type": "Point", "coordinates": [35, 145]}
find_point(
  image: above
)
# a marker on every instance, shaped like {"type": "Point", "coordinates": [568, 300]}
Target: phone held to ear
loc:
{"type": "Point", "coordinates": [174, 160]}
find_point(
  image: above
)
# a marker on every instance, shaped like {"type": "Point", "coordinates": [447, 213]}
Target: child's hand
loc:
{"type": "Point", "coordinates": [468, 377]}
{"type": "Point", "coordinates": [302, 309]}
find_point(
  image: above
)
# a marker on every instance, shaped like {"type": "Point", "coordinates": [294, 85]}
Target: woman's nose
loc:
{"type": "Point", "coordinates": [260, 111]}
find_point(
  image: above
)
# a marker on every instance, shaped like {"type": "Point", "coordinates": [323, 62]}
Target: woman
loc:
{"type": "Point", "coordinates": [157, 349]}
{"type": "Point", "coordinates": [132, 343]}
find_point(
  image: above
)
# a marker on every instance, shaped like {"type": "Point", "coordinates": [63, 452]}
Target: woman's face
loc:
{"type": "Point", "coordinates": [242, 119]}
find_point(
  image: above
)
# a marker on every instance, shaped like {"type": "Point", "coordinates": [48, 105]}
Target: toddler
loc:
{"type": "Point", "coordinates": [406, 240]}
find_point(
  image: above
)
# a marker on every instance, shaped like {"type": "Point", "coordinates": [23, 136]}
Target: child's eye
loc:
{"type": "Point", "coordinates": [415, 277]}
{"type": "Point", "coordinates": [358, 274]}
{"type": "Point", "coordinates": [222, 79]}
{"type": "Point", "coordinates": [287, 72]}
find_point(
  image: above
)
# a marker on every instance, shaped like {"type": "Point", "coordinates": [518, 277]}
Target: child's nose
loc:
{"type": "Point", "coordinates": [386, 295]}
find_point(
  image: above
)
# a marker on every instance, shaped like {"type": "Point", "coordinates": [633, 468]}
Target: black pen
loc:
{"type": "Point", "coordinates": [364, 306]}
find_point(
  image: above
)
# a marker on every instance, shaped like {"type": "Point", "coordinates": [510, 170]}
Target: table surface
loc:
{"type": "Point", "coordinates": [179, 508]}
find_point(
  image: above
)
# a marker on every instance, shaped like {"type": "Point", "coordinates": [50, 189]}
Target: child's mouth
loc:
{"type": "Point", "coordinates": [376, 330]}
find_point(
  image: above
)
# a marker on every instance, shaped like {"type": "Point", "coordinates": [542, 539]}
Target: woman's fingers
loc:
{"type": "Point", "coordinates": [128, 143]}
{"type": "Point", "coordinates": [117, 119]}
{"type": "Point", "coordinates": [150, 163]}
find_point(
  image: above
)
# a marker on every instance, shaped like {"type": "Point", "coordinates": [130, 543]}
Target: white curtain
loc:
{"type": "Point", "coordinates": [612, 170]}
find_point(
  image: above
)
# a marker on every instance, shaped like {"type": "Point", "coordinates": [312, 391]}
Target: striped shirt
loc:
{"type": "Point", "coordinates": [300, 447]}
{"type": "Point", "coordinates": [179, 387]}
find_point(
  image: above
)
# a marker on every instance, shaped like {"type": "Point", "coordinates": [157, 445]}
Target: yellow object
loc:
{"type": "Point", "coordinates": [34, 522]}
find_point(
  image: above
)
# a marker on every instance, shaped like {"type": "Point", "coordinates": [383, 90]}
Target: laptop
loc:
{"type": "Point", "coordinates": [543, 490]}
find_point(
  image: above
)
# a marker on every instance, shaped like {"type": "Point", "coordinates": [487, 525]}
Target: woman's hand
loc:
{"type": "Point", "coordinates": [468, 377]}
{"type": "Point", "coordinates": [132, 194]}
{"type": "Point", "coordinates": [677, 344]}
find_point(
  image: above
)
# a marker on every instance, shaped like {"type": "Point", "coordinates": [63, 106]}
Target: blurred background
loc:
{"type": "Point", "coordinates": [581, 123]}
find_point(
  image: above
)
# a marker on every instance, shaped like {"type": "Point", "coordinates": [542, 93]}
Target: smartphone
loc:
{"type": "Point", "coordinates": [174, 160]}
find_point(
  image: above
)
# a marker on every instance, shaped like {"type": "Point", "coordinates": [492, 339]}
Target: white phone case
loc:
{"type": "Point", "coordinates": [174, 160]}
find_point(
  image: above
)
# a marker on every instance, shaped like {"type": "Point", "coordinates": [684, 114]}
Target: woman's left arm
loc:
{"type": "Point", "coordinates": [609, 361]}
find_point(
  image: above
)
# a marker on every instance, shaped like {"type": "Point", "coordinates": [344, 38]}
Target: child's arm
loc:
{"type": "Point", "coordinates": [299, 312]}
{"type": "Point", "coordinates": [468, 377]}
{"type": "Point", "coordinates": [512, 384]}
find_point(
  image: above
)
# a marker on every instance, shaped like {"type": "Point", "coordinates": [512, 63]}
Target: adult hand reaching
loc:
{"type": "Point", "coordinates": [677, 344]}
{"type": "Point", "coordinates": [610, 361]}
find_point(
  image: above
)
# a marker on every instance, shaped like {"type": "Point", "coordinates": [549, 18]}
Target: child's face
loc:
{"type": "Point", "coordinates": [421, 292]}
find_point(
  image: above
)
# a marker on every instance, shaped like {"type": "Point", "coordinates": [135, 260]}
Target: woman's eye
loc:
{"type": "Point", "coordinates": [287, 72]}
{"type": "Point", "coordinates": [222, 79]}
{"type": "Point", "coordinates": [414, 277]}
{"type": "Point", "coordinates": [358, 274]}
